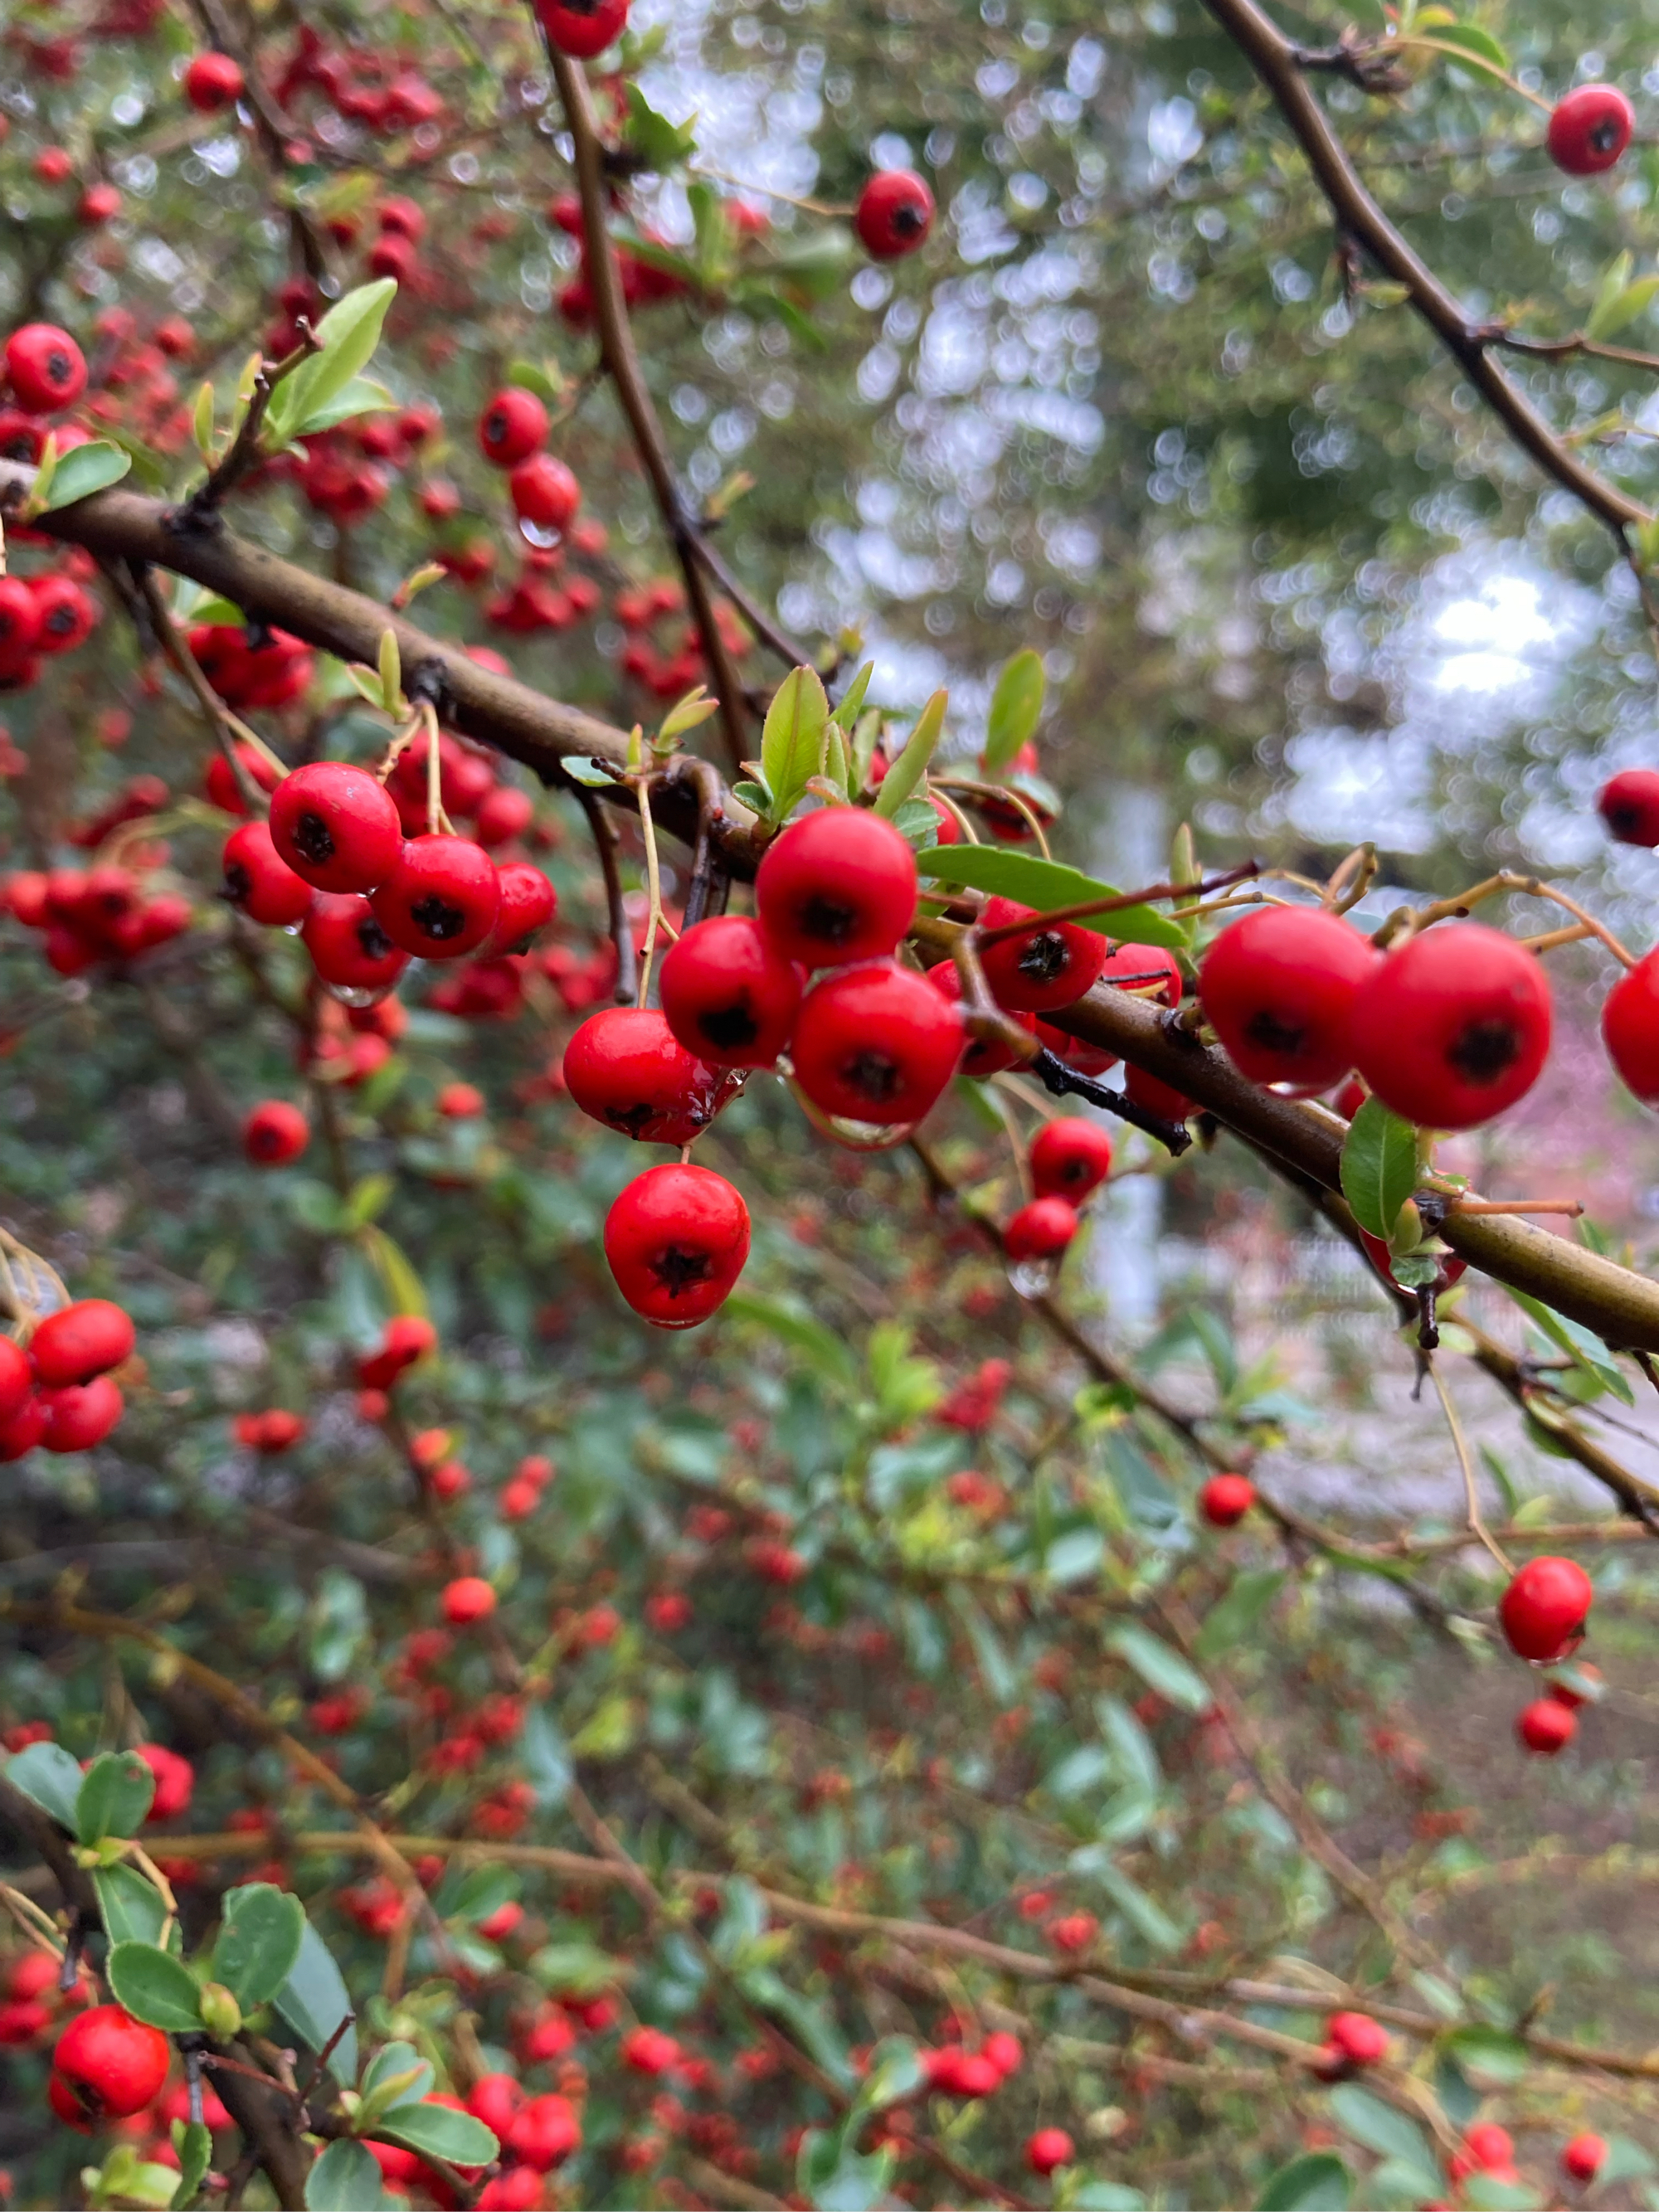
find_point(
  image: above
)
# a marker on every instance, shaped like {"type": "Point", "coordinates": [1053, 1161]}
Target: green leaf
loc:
{"type": "Point", "coordinates": [153, 1985]}
{"type": "Point", "coordinates": [895, 2074]}
{"type": "Point", "coordinates": [533, 377]}
{"type": "Point", "coordinates": [1149, 1920]}
{"type": "Point", "coordinates": [1015, 704]}
{"type": "Point", "coordinates": [49, 1777]}
{"type": "Point", "coordinates": [1161, 1668]}
{"type": "Point", "coordinates": [345, 2178]}
{"type": "Point", "coordinates": [1614, 277]}
{"type": "Point", "coordinates": [258, 1945]}
{"type": "Point", "coordinates": [1316, 2182]}
{"type": "Point", "coordinates": [195, 2149]}
{"type": "Point", "coordinates": [437, 2132]}
{"type": "Point", "coordinates": [480, 1891]}
{"type": "Point", "coordinates": [348, 336]}
{"type": "Point", "coordinates": [1046, 884]}
{"type": "Point", "coordinates": [133, 1907]}
{"type": "Point", "coordinates": [313, 2001]}
{"type": "Point", "coordinates": [791, 743]}
{"type": "Point", "coordinates": [82, 470]}
{"type": "Point", "coordinates": [397, 2074]}
{"type": "Point", "coordinates": [1608, 319]}
{"type": "Point", "coordinates": [1495, 2052]}
{"type": "Point", "coordinates": [1473, 41]}
{"type": "Point", "coordinates": [581, 768]}
{"type": "Point", "coordinates": [660, 144]}
{"type": "Point", "coordinates": [1235, 1614]}
{"type": "Point", "coordinates": [1580, 1346]}
{"type": "Point", "coordinates": [907, 770]}
{"type": "Point", "coordinates": [1625, 2162]}
{"type": "Point", "coordinates": [361, 396]}
{"type": "Point", "coordinates": [1390, 2134]}
{"type": "Point", "coordinates": [115, 1796]}
{"type": "Point", "coordinates": [852, 699]}
{"type": "Point", "coordinates": [545, 1757]}
{"type": "Point", "coordinates": [575, 1969]}
{"type": "Point", "coordinates": [1379, 1167]}
{"type": "Point", "coordinates": [795, 1326]}
{"type": "Point", "coordinates": [405, 1291]}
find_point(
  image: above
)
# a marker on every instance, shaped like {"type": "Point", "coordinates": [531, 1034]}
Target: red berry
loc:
{"type": "Point", "coordinates": [838, 886]}
{"type": "Point", "coordinates": [260, 881]}
{"type": "Point", "coordinates": [1040, 1230]}
{"type": "Point", "coordinates": [81, 1415]}
{"type": "Point", "coordinates": [275, 1132]}
{"type": "Point", "coordinates": [16, 1378]}
{"type": "Point", "coordinates": [111, 2064]}
{"type": "Point", "coordinates": [1048, 2149]}
{"type": "Point", "coordinates": [336, 827]}
{"type": "Point", "coordinates": [79, 1341]}
{"type": "Point", "coordinates": [1226, 1499]}
{"type": "Point", "coordinates": [218, 782]}
{"type": "Point", "coordinates": [1629, 805]}
{"type": "Point", "coordinates": [1582, 1691]}
{"type": "Point", "coordinates": [46, 367]}
{"type": "Point", "coordinates": [675, 1240]}
{"type": "Point", "coordinates": [347, 946]}
{"type": "Point", "coordinates": [1545, 1608]}
{"type": "Point", "coordinates": [1278, 988]}
{"type": "Point", "coordinates": [876, 1044]}
{"type": "Point", "coordinates": [545, 492]}
{"type": "Point", "coordinates": [468, 1599]}
{"type": "Point", "coordinates": [460, 1101]}
{"type": "Point", "coordinates": [1589, 128]}
{"type": "Point", "coordinates": [528, 901]}
{"type": "Point", "coordinates": [984, 1055]}
{"type": "Point", "coordinates": [20, 624]}
{"type": "Point", "coordinates": [402, 217]}
{"type": "Point", "coordinates": [66, 615]}
{"type": "Point", "coordinates": [175, 1778]}
{"type": "Point", "coordinates": [442, 900]}
{"type": "Point", "coordinates": [894, 215]}
{"type": "Point", "coordinates": [1546, 1727]}
{"type": "Point", "coordinates": [505, 813]}
{"type": "Point", "coordinates": [1070, 1156]}
{"type": "Point", "coordinates": [728, 996]}
{"type": "Point", "coordinates": [1630, 1028]}
{"type": "Point", "coordinates": [213, 80]}
{"type": "Point", "coordinates": [512, 427]}
{"type": "Point", "coordinates": [544, 2131]}
{"type": "Point", "coordinates": [1583, 2157]}
{"type": "Point", "coordinates": [1360, 2039]}
{"type": "Point", "coordinates": [649, 2051]}
{"type": "Point", "coordinates": [1157, 1097]}
{"type": "Point", "coordinates": [24, 1431]}
{"type": "Point", "coordinates": [1004, 2052]}
{"type": "Point", "coordinates": [1453, 1025]}
{"type": "Point", "coordinates": [626, 1068]}
{"type": "Point", "coordinates": [99, 203]}
{"type": "Point", "coordinates": [494, 2099]}
{"type": "Point", "coordinates": [1489, 2146]}
{"type": "Point", "coordinates": [1043, 969]}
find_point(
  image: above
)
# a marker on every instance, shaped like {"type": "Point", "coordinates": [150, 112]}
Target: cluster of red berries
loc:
{"type": "Point", "coordinates": [384, 93]}
{"type": "Point", "coordinates": [643, 283]}
{"type": "Point", "coordinates": [251, 668]}
{"type": "Point", "coordinates": [56, 1390]}
{"type": "Point", "coordinates": [668, 674]}
{"type": "Point", "coordinates": [91, 914]}
{"type": "Point", "coordinates": [512, 434]}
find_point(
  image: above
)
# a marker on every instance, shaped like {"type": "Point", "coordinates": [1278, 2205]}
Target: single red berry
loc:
{"type": "Point", "coordinates": [1489, 2146]}
{"type": "Point", "coordinates": [213, 80]}
{"type": "Point", "coordinates": [625, 1068]}
{"type": "Point", "coordinates": [99, 203]}
{"type": "Point", "coordinates": [1546, 1727]}
{"type": "Point", "coordinates": [218, 782]}
{"type": "Point", "coordinates": [504, 813]}
{"type": "Point", "coordinates": [260, 881]}
{"type": "Point", "coordinates": [81, 1415]}
{"type": "Point", "coordinates": [1589, 128]}
{"type": "Point", "coordinates": [175, 1778]}
{"type": "Point", "coordinates": [1278, 988]}
{"type": "Point", "coordinates": [1047, 2149]}
{"type": "Point", "coordinates": [347, 946]}
{"type": "Point", "coordinates": [545, 492]}
{"type": "Point", "coordinates": [1157, 1097]}
{"type": "Point", "coordinates": [1226, 1499]}
{"type": "Point", "coordinates": [838, 886]}
{"type": "Point", "coordinates": [1040, 1230]}
{"type": "Point", "coordinates": [67, 614]}
{"type": "Point", "coordinates": [649, 2051]}
{"type": "Point", "coordinates": [876, 1043]}
{"type": "Point", "coordinates": [675, 1240]}
{"type": "Point", "coordinates": [728, 996]}
{"type": "Point", "coordinates": [1545, 1608]}
{"type": "Point", "coordinates": [582, 28]}
{"type": "Point", "coordinates": [894, 215]}
{"type": "Point", "coordinates": [20, 624]}
{"type": "Point", "coordinates": [442, 900]}
{"type": "Point", "coordinates": [1004, 2052]}
{"type": "Point", "coordinates": [1357, 2037]}
{"type": "Point", "coordinates": [46, 367]}
{"type": "Point", "coordinates": [1630, 1028]}
{"type": "Point", "coordinates": [1629, 805]}
{"type": "Point", "coordinates": [545, 2132]}
{"type": "Point", "coordinates": [402, 217]}
{"type": "Point", "coordinates": [111, 2064]}
{"type": "Point", "coordinates": [528, 902]}
{"type": "Point", "coordinates": [468, 1599]}
{"type": "Point", "coordinates": [1584, 2158]}
{"type": "Point", "coordinates": [1070, 1156]}
{"type": "Point", "coordinates": [512, 427]}
{"type": "Point", "coordinates": [1453, 1025]}
{"type": "Point", "coordinates": [336, 827]}
{"type": "Point", "coordinates": [16, 1378]}
{"type": "Point", "coordinates": [79, 1341]}
{"type": "Point", "coordinates": [1041, 970]}
{"type": "Point", "coordinates": [984, 1055]}
{"type": "Point", "coordinates": [494, 2099]}
{"type": "Point", "coordinates": [275, 1132]}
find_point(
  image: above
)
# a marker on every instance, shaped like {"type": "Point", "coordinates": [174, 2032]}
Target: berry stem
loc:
{"type": "Point", "coordinates": [1478, 1527]}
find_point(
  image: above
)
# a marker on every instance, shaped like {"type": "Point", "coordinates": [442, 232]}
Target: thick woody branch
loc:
{"type": "Point", "coordinates": [1281, 67]}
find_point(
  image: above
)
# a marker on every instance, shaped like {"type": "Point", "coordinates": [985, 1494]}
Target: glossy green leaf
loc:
{"type": "Point", "coordinates": [115, 1796]}
{"type": "Point", "coordinates": [437, 2132]}
{"type": "Point", "coordinates": [132, 1906]}
{"type": "Point", "coordinates": [1045, 884]}
{"type": "Point", "coordinates": [1495, 2052]}
{"type": "Point", "coordinates": [1016, 706]}
{"type": "Point", "coordinates": [907, 770]}
{"type": "Point", "coordinates": [1480, 44]}
{"type": "Point", "coordinates": [153, 1985]}
{"type": "Point", "coordinates": [348, 335]}
{"type": "Point", "coordinates": [195, 2149]}
{"type": "Point", "coordinates": [1316, 2182]}
{"type": "Point", "coordinates": [1379, 1167]}
{"type": "Point", "coordinates": [313, 2001]}
{"type": "Point", "coordinates": [49, 1777]}
{"type": "Point", "coordinates": [1161, 1668]}
{"type": "Point", "coordinates": [396, 2075]}
{"type": "Point", "coordinates": [345, 2178]}
{"type": "Point", "coordinates": [258, 1945]}
{"type": "Point", "coordinates": [1380, 2128]}
{"type": "Point", "coordinates": [797, 1328]}
{"type": "Point", "coordinates": [793, 740]}
{"type": "Point", "coordinates": [85, 470]}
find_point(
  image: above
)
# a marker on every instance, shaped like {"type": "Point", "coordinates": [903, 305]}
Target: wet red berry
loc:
{"type": "Point", "coordinates": [528, 903]}
{"type": "Point", "coordinates": [81, 1415]}
{"type": "Point", "coordinates": [984, 1055]}
{"type": "Point", "coordinates": [675, 1240]}
{"type": "Point", "coordinates": [838, 886]}
{"type": "Point", "coordinates": [213, 80]}
{"type": "Point", "coordinates": [626, 1067]}
{"type": "Point", "coordinates": [336, 827]}
{"type": "Point", "coordinates": [79, 1341]}
{"type": "Point", "coordinates": [1043, 969]}
{"type": "Point", "coordinates": [1629, 805]}
{"type": "Point", "coordinates": [111, 2064]}
{"type": "Point", "coordinates": [1453, 1025]}
{"type": "Point", "coordinates": [275, 1132]}
{"type": "Point", "coordinates": [728, 996]}
{"type": "Point", "coordinates": [1278, 988]}
{"type": "Point", "coordinates": [1226, 1499]}
{"type": "Point", "coordinates": [582, 28]}
{"type": "Point", "coordinates": [441, 899]}
{"type": "Point", "coordinates": [1547, 1726]}
{"type": "Point", "coordinates": [1041, 1230]}
{"type": "Point", "coordinates": [876, 1044]}
{"type": "Point", "coordinates": [512, 427]}
{"type": "Point", "coordinates": [1070, 1156]}
{"type": "Point", "coordinates": [1630, 1028]}
{"type": "Point", "coordinates": [1545, 1608]}
{"type": "Point", "coordinates": [260, 881]}
{"type": "Point", "coordinates": [45, 368]}
{"type": "Point", "coordinates": [894, 215]}
{"type": "Point", "coordinates": [347, 946]}
{"type": "Point", "coordinates": [1589, 128]}
{"type": "Point", "coordinates": [545, 492]}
